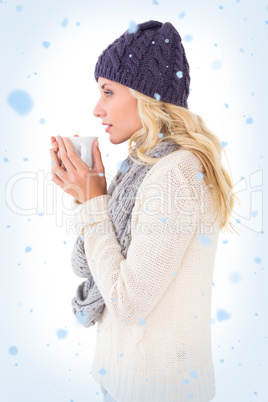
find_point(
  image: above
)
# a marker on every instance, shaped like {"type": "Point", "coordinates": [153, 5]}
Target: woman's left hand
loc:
{"type": "Point", "coordinates": [78, 180]}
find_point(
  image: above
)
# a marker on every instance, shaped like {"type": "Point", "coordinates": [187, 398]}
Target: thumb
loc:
{"type": "Point", "coordinates": [97, 161]}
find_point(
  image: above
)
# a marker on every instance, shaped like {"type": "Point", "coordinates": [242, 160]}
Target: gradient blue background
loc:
{"type": "Point", "coordinates": [45, 355]}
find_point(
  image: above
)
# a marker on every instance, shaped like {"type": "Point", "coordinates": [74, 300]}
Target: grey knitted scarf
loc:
{"type": "Point", "coordinates": [88, 304]}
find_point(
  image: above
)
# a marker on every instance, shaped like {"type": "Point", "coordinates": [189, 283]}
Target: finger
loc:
{"type": "Point", "coordinates": [57, 180]}
{"type": "Point", "coordinates": [68, 155]}
{"type": "Point", "coordinates": [56, 168]}
{"type": "Point", "coordinates": [53, 140]}
{"type": "Point", "coordinates": [64, 155]}
{"type": "Point", "coordinates": [63, 166]}
{"type": "Point", "coordinates": [75, 135]}
{"type": "Point", "coordinates": [55, 163]}
{"type": "Point", "coordinates": [60, 161]}
{"type": "Point", "coordinates": [59, 157]}
{"type": "Point", "coordinates": [97, 161]}
{"type": "Point", "coordinates": [55, 146]}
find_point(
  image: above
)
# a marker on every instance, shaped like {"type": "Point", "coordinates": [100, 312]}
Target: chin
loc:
{"type": "Point", "coordinates": [114, 140]}
{"type": "Point", "coordinates": [117, 140]}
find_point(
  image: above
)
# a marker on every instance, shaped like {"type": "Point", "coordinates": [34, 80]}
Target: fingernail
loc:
{"type": "Point", "coordinates": [58, 137]}
{"type": "Point", "coordinates": [97, 143]}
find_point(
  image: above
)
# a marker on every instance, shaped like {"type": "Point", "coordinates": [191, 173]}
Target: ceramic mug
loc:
{"type": "Point", "coordinates": [83, 148]}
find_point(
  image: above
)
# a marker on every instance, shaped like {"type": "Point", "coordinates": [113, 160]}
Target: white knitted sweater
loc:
{"type": "Point", "coordinates": [154, 337]}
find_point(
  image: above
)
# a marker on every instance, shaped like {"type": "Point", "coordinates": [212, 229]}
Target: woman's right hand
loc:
{"type": "Point", "coordinates": [56, 149]}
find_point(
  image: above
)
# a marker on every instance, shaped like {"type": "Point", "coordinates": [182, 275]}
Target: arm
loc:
{"type": "Point", "coordinates": [132, 286]}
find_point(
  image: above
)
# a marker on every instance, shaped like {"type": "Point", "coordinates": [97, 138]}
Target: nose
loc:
{"type": "Point", "coordinates": [99, 111]}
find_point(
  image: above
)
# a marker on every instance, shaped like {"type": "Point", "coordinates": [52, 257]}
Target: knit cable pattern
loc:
{"type": "Point", "coordinates": [88, 304]}
{"type": "Point", "coordinates": [149, 61]}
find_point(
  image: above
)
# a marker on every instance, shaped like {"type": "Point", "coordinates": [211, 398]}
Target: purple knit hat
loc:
{"type": "Point", "coordinates": [151, 60]}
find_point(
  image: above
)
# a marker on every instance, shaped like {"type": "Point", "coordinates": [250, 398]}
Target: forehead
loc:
{"type": "Point", "coordinates": [102, 81]}
{"type": "Point", "coordinates": [112, 84]}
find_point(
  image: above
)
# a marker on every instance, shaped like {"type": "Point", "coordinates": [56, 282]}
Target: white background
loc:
{"type": "Point", "coordinates": [226, 46]}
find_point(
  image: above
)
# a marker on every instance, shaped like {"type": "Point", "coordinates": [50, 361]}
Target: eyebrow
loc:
{"type": "Point", "coordinates": [104, 85]}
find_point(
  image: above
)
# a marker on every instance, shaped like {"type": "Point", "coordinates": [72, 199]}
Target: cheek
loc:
{"type": "Point", "coordinates": [121, 114]}
{"type": "Point", "coordinates": [136, 119]}
{"type": "Point", "coordinates": [131, 113]}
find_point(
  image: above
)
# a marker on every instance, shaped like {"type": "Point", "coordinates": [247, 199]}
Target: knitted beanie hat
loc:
{"type": "Point", "coordinates": [150, 60]}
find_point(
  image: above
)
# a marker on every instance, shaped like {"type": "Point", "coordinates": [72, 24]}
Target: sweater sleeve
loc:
{"type": "Point", "coordinates": [162, 230]}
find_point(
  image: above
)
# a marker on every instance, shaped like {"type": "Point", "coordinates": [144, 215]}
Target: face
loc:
{"type": "Point", "coordinates": [116, 107]}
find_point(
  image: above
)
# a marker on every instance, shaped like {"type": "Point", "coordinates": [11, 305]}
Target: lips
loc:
{"type": "Point", "coordinates": [108, 128]}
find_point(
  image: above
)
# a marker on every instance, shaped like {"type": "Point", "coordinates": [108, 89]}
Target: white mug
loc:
{"type": "Point", "coordinates": [83, 148]}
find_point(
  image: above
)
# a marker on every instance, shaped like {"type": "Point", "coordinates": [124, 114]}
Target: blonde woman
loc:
{"type": "Point", "coordinates": [147, 244]}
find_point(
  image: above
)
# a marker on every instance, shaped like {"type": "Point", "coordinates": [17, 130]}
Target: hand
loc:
{"type": "Point", "coordinates": [56, 149]}
{"type": "Point", "coordinates": [78, 180]}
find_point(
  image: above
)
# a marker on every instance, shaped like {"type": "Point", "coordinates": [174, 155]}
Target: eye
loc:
{"type": "Point", "coordinates": [107, 92]}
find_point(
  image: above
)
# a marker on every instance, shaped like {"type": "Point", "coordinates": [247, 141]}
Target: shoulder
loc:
{"type": "Point", "coordinates": [184, 160]}
{"type": "Point", "coordinates": [182, 163]}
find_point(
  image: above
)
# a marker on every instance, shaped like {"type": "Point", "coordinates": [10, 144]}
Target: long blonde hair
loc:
{"type": "Point", "coordinates": [189, 131]}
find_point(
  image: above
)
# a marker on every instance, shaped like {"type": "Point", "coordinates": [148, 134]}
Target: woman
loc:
{"type": "Point", "coordinates": [150, 240]}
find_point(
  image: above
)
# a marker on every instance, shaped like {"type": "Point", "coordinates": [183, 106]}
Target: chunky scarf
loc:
{"type": "Point", "coordinates": [88, 304]}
